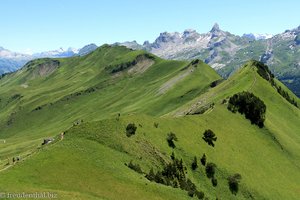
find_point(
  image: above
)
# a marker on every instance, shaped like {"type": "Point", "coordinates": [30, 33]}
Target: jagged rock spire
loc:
{"type": "Point", "coordinates": [215, 28]}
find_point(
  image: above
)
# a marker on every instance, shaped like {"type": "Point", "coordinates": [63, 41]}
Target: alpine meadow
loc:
{"type": "Point", "coordinates": [92, 99]}
{"type": "Point", "coordinates": [189, 116]}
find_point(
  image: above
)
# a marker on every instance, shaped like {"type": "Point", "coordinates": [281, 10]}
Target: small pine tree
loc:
{"type": "Point", "coordinates": [194, 163]}
{"type": "Point", "coordinates": [203, 159]}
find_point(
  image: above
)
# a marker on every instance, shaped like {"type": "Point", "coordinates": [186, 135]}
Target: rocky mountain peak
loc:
{"type": "Point", "coordinates": [190, 33]}
{"type": "Point", "coordinates": [215, 28]}
{"type": "Point", "coordinates": [216, 31]}
{"type": "Point", "coordinates": [87, 49]}
{"type": "Point", "coordinates": [146, 43]}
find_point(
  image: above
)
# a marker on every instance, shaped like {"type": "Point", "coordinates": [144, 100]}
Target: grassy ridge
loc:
{"type": "Point", "coordinates": [89, 163]}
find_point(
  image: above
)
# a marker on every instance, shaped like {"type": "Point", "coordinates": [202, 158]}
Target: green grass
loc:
{"type": "Point", "coordinates": [90, 162]}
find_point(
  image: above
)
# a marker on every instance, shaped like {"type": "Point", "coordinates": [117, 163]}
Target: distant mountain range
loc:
{"type": "Point", "coordinates": [12, 61]}
{"type": "Point", "coordinates": [226, 52]}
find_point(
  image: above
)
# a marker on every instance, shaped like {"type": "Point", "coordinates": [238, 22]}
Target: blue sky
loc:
{"type": "Point", "coordinates": [39, 25]}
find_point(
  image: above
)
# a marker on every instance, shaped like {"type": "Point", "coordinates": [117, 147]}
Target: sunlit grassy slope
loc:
{"type": "Point", "coordinates": [89, 163]}
{"type": "Point", "coordinates": [38, 103]}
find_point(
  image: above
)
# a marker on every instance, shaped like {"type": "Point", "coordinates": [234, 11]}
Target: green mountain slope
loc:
{"type": "Point", "coordinates": [90, 162]}
{"type": "Point", "coordinates": [47, 96]}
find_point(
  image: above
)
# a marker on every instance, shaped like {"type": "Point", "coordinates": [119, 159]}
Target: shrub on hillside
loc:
{"type": "Point", "coordinates": [250, 105]}
{"type": "Point", "coordinates": [194, 163]}
{"type": "Point", "coordinates": [130, 129]}
{"type": "Point", "coordinates": [286, 95]}
{"type": "Point", "coordinates": [172, 156]}
{"type": "Point", "coordinates": [210, 169]}
{"type": "Point", "coordinates": [264, 71]}
{"type": "Point", "coordinates": [199, 194]}
{"type": "Point", "coordinates": [216, 82]}
{"type": "Point", "coordinates": [155, 124]}
{"type": "Point", "coordinates": [174, 175]}
{"type": "Point", "coordinates": [151, 175]}
{"type": "Point", "coordinates": [170, 139]}
{"type": "Point", "coordinates": [135, 167]}
{"type": "Point", "coordinates": [209, 137]}
{"type": "Point", "coordinates": [214, 181]}
{"type": "Point", "coordinates": [191, 193]}
{"type": "Point", "coordinates": [203, 159]}
{"type": "Point", "coordinates": [233, 183]}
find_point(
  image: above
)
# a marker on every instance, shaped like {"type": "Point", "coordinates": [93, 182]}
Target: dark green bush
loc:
{"type": "Point", "coordinates": [203, 159]}
{"type": "Point", "coordinates": [263, 71]}
{"type": "Point", "coordinates": [209, 137]}
{"type": "Point", "coordinates": [191, 193]}
{"type": "Point", "coordinates": [194, 163]}
{"type": "Point", "coordinates": [135, 167]}
{"type": "Point", "coordinates": [172, 156]}
{"type": "Point", "coordinates": [171, 138]}
{"type": "Point", "coordinates": [173, 174]}
{"type": "Point", "coordinates": [233, 183]}
{"type": "Point", "coordinates": [130, 129]}
{"type": "Point", "coordinates": [199, 194]}
{"type": "Point", "coordinates": [214, 182]}
{"type": "Point", "coordinates": [150, 176]}
{"type": "Point", "coordinates": [210, 169]}
{"type": "Point", "coordinates": [250, 105]}
{"type": "Point", "coordinates": [194, 62]}
{"type": "Point", "coordinates": [216, 82]}
{"type": "Point", "coordinates": [286, 95]}
{"type": "Point", "coordinates": [158, 178]}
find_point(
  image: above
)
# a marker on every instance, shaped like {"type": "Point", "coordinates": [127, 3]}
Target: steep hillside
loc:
{"type": "Point", "coordinates": [90, 162]}
{"type": "Point", "coordinates": [93, 99]}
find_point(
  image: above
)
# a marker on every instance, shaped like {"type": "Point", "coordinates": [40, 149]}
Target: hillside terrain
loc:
{"type": "Point", "coordinates": [116, 114]}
